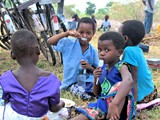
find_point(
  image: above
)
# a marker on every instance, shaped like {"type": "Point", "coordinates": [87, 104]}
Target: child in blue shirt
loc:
{"type": "Point", "coordinates": [144, 89]}
{"type": "Point", "coordinates": [77, 52]}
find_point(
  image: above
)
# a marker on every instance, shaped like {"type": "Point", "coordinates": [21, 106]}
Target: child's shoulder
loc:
{"type": "Point", "coordinates": [44, 73]}
{"type": "Point", "coordinates": [6, 74]}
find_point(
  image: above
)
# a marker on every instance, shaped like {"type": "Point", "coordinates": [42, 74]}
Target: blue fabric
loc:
{"type": "Point", "coordinates": [134, 55]}
{"type": "Point", "coordinates": [107, 80]}
{"type": "Point", "coordinates": [148, 21]}
{"type": "Point", "coordinates": [72, 55]}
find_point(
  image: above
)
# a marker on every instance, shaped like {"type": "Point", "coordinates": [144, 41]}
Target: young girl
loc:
{"type": "Point", "coordinates": [144, 89]}
{"type": "Point", "coordinates": [114, 85]}
{"type": "Point", "coordinates": [77, 54]}
{"type": "Point", "coordinates": [29, 92]}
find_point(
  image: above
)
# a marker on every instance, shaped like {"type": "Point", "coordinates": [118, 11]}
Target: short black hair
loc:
{"type": "Point", "coordinates": [87, 20]}
{"type": "Point", "coordinates": [106, 17]}
{"type": "Point", "coordinates": [134, 29]}
{"type": "Point", "coordinates": [22, 42]}
{"type": "Point", "coordinates": [117, 39]}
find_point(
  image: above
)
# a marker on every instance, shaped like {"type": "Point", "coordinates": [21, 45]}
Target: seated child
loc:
{"type": "Point", "coordinates": [106, 24]}
{"type": "Point", "coordinates": [77, 54]}
{"type": "Point", "coordinates": [144, 89]}
{"type": "Point", "coordinates": [29, 92]}
{"type": "Point", "coordinates": [114, 85]}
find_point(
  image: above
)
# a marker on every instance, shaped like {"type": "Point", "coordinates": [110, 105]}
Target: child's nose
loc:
{"type": "Point", "coordinates": [84, 35]}
{"type": "Point", "coordinates": [102, 53]}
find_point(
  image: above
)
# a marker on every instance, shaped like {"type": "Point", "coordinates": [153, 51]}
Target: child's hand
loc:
{"type": "Point", "coordinates": [74, 34]}
{"type": "Point", "coordinates": [113, 112]}
{"type": "Point", "coordinates": [85, 64]}
{"type": "Point", "coordinates": [97, 72]}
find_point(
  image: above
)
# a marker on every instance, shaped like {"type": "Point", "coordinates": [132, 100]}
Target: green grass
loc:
{"type": "Point", "coordinates": [7, 63]}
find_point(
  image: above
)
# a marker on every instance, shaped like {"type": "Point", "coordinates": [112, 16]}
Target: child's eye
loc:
{"type": "Point", "coordinates": [88, 33]}
{"type": "Point", "coordinates": [81, 32]}
{"type": "Point", "coordinates": [99, 50]}
{"type": "Point", "coordinates": [107, 50]}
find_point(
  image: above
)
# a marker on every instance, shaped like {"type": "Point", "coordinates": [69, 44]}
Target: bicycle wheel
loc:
{"type": "Point", "coordinates": [51, 18]}
{"type": "Point", "coordinates": [47, 49]}
{"type": "Point", "coordinates": [4, 38]}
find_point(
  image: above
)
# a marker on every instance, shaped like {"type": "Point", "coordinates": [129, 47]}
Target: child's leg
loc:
{"type": "Point", "coordinates": [80, 117]}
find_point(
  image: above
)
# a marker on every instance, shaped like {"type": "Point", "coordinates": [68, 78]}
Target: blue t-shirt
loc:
{"type": "Point", "coordinates": [72, 55]}
{"type": "Point", "coordinates": [133, 55]}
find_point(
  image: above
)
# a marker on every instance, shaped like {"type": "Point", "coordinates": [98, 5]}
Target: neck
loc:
{"type": "Point", "coordinates": [26, 62]}
{"type": "Point", "coordinates": [110, 65]}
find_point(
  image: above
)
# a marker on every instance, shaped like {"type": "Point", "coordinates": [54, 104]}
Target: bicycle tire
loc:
{"type": "Point", "coordinates": [49, 54]}
{"type": "Point", "coordinates": [4, 38]}
{"type": "Point", "coordinates": [63, 28]}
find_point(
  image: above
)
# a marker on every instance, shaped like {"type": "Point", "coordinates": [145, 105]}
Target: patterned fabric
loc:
{"type": "Point", "coordinates": [109, 82]}
{"type": "Point", "coordinates": [80, 92]}
{"type": "Point", "coordinates": [99, 112]}
{"type": "Point", "coordinates": [150, 97]}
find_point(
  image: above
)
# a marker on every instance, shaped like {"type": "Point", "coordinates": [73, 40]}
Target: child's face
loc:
{"type": "Point", "coordinates": [86, 31]}
{"type": "Point", "coordinates": [108, 52]}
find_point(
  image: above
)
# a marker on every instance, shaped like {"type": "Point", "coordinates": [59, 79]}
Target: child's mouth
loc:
{"type": "Point", "coordinates": [84, 39]}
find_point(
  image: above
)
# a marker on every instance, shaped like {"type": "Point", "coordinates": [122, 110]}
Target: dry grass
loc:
{"type": "Point", "coordinates": [7, 63]}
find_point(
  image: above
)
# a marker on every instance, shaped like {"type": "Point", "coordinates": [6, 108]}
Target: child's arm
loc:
{"type": "Point", "coordinates": [57, 107]}
{"type": "Point", "coordinates": [134, 76]}
{"type": "Point", "coordinates": [96, 87]}
{"type": "Point", "coordinates": [150, 5]}
{"type": "Point", "coordinates": [54, 39]}
{"type": "Point", "coordinates": [117, 103]}
{"type": "Point", "coordinates": [87, 66]}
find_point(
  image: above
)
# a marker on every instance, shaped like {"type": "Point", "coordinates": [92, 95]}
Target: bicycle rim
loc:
{"type": "Point", "coordinates": [47, 50]}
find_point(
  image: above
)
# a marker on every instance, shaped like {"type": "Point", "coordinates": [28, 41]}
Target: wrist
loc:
{"type": "Point", "coordinates": [115, 102]}
{"type": "Point", "coordinates": [66, 33]}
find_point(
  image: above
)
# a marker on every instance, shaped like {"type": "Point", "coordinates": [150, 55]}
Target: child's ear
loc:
{"type": "Point", "coordinates": [13, 56]}
{"type": "Point", "coordinates": [120, 52]}
{"type": "Point", "coordinates": [126, 38]}
{"type": "Point", "coordinates": [38, 50]}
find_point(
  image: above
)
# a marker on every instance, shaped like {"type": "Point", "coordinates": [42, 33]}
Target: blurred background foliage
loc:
{"type": "Point", "coordinates": [116, 11]}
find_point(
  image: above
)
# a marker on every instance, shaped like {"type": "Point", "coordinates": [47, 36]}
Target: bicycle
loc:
{"type": "Point", "coordinates": [20, 19]}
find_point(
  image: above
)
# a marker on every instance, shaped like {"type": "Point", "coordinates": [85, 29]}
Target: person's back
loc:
{"type": "Point", "coordinates": [144, 75]}
{"type": "Point", "coordinates": [27, 90]}
{"type": "Point", "coordinates": [133, 55]}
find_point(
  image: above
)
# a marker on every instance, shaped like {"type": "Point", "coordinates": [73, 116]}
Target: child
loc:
{"type": "Point", "coordinates": [77, 52]}
{"type": "Point", "coordinates": [29, 92]}
{"type": "Point", "coordinates": [114, 85]}
{"type": "Point", "coordinates": [106, 25]}
{"type": "Point", "coordinates": [144, 89]}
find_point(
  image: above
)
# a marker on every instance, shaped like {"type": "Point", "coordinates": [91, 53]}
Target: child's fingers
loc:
{"type": "Point", "coordinates": [97, 73]}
